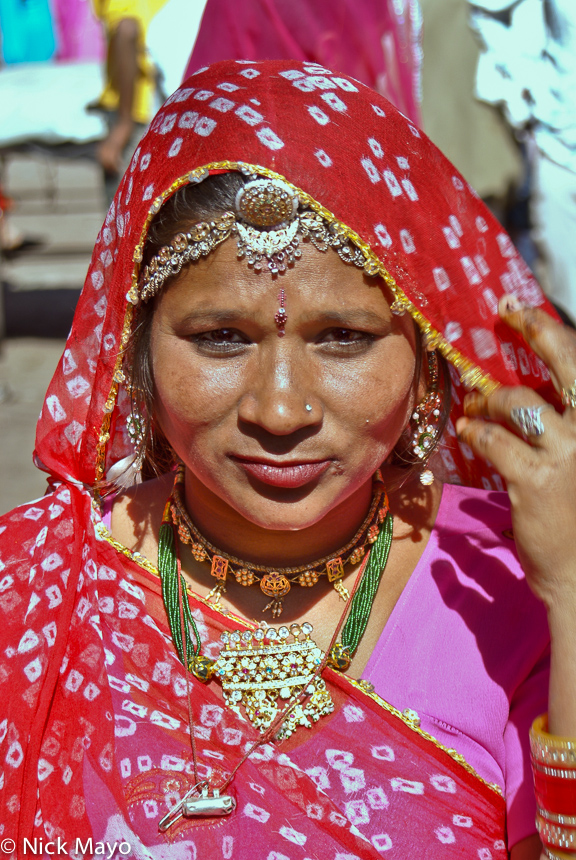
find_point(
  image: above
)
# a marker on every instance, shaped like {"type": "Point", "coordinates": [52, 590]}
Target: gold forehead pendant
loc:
{"type": "Point", "coordinates": [269, 219]}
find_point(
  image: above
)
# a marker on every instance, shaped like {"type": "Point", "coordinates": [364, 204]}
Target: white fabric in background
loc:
{"type": "Point", "coordinates": [171, 37]}
{"type": "Point", "coordinates": [529, 67]}
{"type": "Point", "coordinates": [46, 102]}
{"type": "Point", "coordinates": [554, 228]}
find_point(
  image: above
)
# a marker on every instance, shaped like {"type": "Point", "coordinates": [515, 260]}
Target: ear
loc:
{"type": "Point", "coordinates": [421, 356]}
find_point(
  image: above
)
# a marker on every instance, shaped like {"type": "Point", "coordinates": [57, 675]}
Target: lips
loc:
{"type": "Point", "coordinates": [288, 475]}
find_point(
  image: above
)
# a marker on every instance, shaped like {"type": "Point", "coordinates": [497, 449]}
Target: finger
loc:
{"type": "Point", "coordinates": [522, 410]}
{"type": "Point", "coordinates": [509, 455]}
{"type": "Point", "coordinates": [552, 341]}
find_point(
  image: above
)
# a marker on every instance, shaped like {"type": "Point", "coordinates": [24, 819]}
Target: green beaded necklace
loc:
{"type": "Point", "coordinates": [173, 585]}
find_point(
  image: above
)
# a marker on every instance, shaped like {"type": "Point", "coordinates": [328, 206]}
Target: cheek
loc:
{"type": "Point", "coordinates": [378, 395]}
{"type": "Point", "coordinates": [187, 395]}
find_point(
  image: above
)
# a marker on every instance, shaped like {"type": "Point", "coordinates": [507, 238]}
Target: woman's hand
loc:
{"type": "Point", "coordinates": [533, 446]}
{"type": "Point", "coordinates": [540, 470]}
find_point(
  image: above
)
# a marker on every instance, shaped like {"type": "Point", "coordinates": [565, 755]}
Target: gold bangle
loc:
{"type": "Point", "coordinates": [556, 772]}
{"type": "Point", "coordinates": [557, 855]}
{"type": "Point", "coordinates": [547, 749]}
{"type": "Point", "coordinates": [566, 820]}
{"type": "Point", "coordinates": [554, 834]}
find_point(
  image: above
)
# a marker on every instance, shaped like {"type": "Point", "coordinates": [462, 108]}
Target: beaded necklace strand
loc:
{"type": "Point", "coordinates": [360, 605]}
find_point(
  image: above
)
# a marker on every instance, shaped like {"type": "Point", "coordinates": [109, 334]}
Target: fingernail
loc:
{"type": "Point", "coordinates": [461, 425]}
{"type": "Point", "coordinates": [511, 304]}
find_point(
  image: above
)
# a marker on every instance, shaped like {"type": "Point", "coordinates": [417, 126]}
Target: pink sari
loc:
{"type": "Point", "coordinates": [376, 42]}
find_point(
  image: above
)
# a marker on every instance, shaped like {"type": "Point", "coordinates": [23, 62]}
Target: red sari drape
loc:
{"type": "Point", "coordinates": [94, 716]}
{"type": "Point", "coordinates": [97, 743]}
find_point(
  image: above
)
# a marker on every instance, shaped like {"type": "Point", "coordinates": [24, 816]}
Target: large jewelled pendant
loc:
{"type": "Point", "coordinates": [262, 669]}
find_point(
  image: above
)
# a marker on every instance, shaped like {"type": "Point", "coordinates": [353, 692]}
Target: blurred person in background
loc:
{"type": "Point", "coordinates": [529, 68]}
{"type": "Point", "coordinates": [128, 98]}
{"type": "Point", "coordinates": [376, 42]}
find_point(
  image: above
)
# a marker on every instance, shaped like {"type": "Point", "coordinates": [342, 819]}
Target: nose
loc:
{"type": "Point", "coordinates": [279, 398]}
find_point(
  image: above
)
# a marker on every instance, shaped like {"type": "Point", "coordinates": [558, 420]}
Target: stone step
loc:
{"type": "Point", "coordinates": [60, 230]}
{"type": "Point", "coordinates": [40, 272]}
{"type": "Point", "coordinates": [38, 174]}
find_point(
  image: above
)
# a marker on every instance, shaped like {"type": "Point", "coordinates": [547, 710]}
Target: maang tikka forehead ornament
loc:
{"type": "Point", "coordinates": [269, 219]}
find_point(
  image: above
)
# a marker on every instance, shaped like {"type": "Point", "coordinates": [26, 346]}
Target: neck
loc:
{"type": "Point", "coordinates": [230, 532]}
{"type": "Point", "coordinates": [413, 506]}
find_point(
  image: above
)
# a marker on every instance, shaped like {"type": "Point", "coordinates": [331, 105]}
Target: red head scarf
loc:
{"type": "Point", "coordinates": [362, 163]}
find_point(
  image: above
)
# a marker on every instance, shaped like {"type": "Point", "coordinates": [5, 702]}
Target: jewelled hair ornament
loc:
{"type": "Point", "coordinates": [269, 220]}
{"type": "Point", "coordinates": [267, 225]}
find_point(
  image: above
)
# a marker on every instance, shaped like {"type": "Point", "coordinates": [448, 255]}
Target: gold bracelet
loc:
{"type": "Point", "coordinates": [567, 820]}
{"type": "Point", "coordinates": [547, 749]}
{"type": "Point", "coordinates": [557, 855]}
{"type": "Point", "coordinates": [554, 834]}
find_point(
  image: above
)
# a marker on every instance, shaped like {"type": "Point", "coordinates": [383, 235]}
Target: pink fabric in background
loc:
{"type": "Point", "coordinates": [450, 648]}
{"type": "Point", "coordinates": [376, 42]}
{"type": "Point", "coordinates": [79, 34]}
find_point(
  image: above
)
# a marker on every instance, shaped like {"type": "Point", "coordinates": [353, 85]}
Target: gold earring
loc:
{"type": "Point", "coordinates": [426, 420]}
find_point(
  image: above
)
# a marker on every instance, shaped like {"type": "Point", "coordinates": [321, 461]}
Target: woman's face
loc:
{"type": "Point", "coordinates": [280, 429]}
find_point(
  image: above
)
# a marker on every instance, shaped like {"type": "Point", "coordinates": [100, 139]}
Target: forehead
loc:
{"type": "Point", "coordinates": [319, 280]}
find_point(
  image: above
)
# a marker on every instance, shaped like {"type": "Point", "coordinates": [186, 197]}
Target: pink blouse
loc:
{"type": "Point", "coordinates": [467, 647]}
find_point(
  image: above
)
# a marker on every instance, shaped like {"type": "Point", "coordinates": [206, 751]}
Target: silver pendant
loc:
{"type": "Point", "coordinates": [205, 806]}
{"type": "Point", "coordinates": [208, 807]}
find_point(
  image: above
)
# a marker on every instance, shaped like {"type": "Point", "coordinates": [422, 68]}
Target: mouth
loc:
{"type": "Point", "coordinates": [290, 475]}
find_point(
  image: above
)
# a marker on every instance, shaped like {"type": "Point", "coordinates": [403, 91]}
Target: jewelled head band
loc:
{"type": "Point", "coordinates": [268, 220]}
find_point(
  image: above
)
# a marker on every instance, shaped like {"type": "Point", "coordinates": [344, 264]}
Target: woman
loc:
{"type": "Point", "coordinates": [263, 337]}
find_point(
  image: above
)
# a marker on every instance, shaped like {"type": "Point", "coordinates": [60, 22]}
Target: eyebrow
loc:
{"type": "Point", "coordinates": [214, 317]}
{"type": "Point", "coordinates": [352, 316]}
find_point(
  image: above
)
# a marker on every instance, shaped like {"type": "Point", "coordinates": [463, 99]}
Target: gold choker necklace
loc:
{"type": "Point", "coordinates": [277, 583]}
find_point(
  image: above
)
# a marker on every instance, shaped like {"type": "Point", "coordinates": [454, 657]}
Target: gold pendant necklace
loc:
{"type": "Point", "coordinates": [276, 584]}
{"type": "Point", "coordinates": [260, 668]}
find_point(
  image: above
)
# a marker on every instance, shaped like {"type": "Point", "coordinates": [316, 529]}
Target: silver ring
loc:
{"type": "Point", "coordinates": [527, 419]}
{"type": "Point", "coordinates": [569, 396]}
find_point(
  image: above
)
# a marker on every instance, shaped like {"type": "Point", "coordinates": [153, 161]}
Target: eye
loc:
{"type": "Point", "coordinates": [346, 339]}
{"type": "Point", "coordinates": [221, 340]}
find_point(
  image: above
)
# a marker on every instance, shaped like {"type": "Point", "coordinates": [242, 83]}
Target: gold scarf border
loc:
{"type": "Point", "coordinates": [137, 557]}
{"type": "Point", "coordinates": [412, 724]}
{"type": "Point", "coordinates": [102, 533]}
{"type": "Point", "coordinates": [471, 375]}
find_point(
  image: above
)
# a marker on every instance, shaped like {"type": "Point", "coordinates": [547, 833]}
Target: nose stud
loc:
{"type": "Point", "coordinates": [308, 408]}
